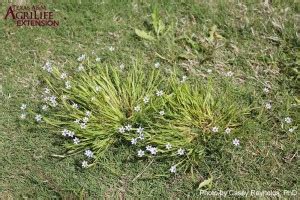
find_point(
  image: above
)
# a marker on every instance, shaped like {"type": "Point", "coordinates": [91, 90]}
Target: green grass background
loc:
{"type": "Point", "coordinates": [261, 43]}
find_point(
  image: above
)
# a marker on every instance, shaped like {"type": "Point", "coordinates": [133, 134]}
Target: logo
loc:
{"type": "Point", "coordinates": [36, 15]}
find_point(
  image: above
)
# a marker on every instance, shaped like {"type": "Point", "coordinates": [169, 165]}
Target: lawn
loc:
{"type": "Point", "coordinates": [248, 50]}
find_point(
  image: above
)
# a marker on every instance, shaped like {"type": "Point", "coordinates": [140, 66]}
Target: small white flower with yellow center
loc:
{"type": "Point", "coordinates": [75, 105]}
{"type": "Point", "coordinates": [236, 142]}
{"type": "Point", "coordinates": [140, 130]}
{"type": "Point", "coordinates": [141, 136]}
{"type": "Point", "coordinates": [89, 153]}
{"type": "Point", "coordinates": [111, 48]}
{"type": "Point", "coordinates": [215, 129]}
{"type": "Point", "coordinates": [159, 93]}
{"type": "Point", "coordinates": [88, 113]}
{"type": "Point", "coordinates": [122, 66]}
{"type": "Point", "coordinates": [23, 106]}
{"type": "Point", "coordinates": [85, 119]}
{"type": "Point", "coordinates": [146, 99]}
{"type": "Point", "coordinates": [81, 58]}
{"type": "Point", "coordinates": [23, 116]}
{"type": "Point", "coordinates": [148, 147]}
{"type": "Point", "coordinates": [128, 127]}
{"type": "Point", "coordinates": [161, 112]}
{"type": "Point", "coordinates": [173, 169]}
{"type": "Point", "coordinates": [121, 129]}
{"type": "Point", "coordinates": [80, 68]}
{"type": "Point", "coordinates": [157, 65]}
{"type": "Point", "coordinates": [83, 125]}
{"type": "Point", "coordinates": [134, 141]}
{"type": "Point", "coordinates": [38, 118]}
{"type": "Point", "coordinates": [137, 108]}
{"type": "Point", "coordinates": [268, 106]}
{"type": "Point", "coordinates": [97, 88]}
{"type": "Point", "coordinates": [141, 153]}
{"type": "Point", "coordinates": [76, 140]}
{"type": "Point", "coordinates": [63, 75]}
{"type": "Point", "coordinates": [229, 74]}
{"type": "Point", "coordinates": [44, 107]}
{"type": "Point", "coordinates": [98, 59]}
{"type": "Point", "coordinates": [65, 132]}
{"type": "Point", "coordinates": [184, 78]}
{"type": "Point", "coordinates": [168, 146]}
{"type": "Point", "coordinates": [84, 164]}
{"type": "Point", "coordinates": [153, 150]}
{"type": "Point", "coordinates": [180, 151]}
{"type": "Point", "coordinates": [288, 120]}
{"type": "Point", "coordinates": [227, 130]}
{"type": "Point", "coordinates": [68, 85]}
{"type": "Point", "coordinates": [266, 90]}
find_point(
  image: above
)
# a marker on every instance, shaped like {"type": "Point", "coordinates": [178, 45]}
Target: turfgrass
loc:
{"type": "Point", "coordinates": [258, 43]}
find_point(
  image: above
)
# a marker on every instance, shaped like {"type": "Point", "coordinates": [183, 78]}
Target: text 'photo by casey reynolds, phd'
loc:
{"type": "Point", "coordinates": [35, 15]}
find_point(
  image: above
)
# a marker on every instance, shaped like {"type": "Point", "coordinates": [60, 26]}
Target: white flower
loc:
{"type": "Point", "coordinates": [291, 130]}
{"type": "Point", "coordinates": [266, 90]}
{"type": "Point", "coordinates": [183, 79]}
{"type": "Point", "coordinates": [88, 113]}
{"type": "Point", "coordinates": [236, 142]}
{"type": "Point", "coordinates": [63, 75]}
{"type": "Point", "coordinates": [128, 127]}
{"type": "Point", "coordinates": [76, 140]}
{"type": "Point", "coordinates": [38, 118]}
{"type": "Point", "coordinates": [153, 150]}
{"type": "Point", "coordinates": [23, 116]}
{"type": "Point", "coordinates": [97, 88]}
{"type": "Point", "coordinates": [93, 98]}
{"type": "Point", "coordinates": [84, 164]}
{"type": "Point", "coordinates": [159, 93]}
{"type": "Point", "coordinates": [23, 106]}
{"type": "Point", "coordinates": [137, 109]}
{"type": "Point", "coordinates": [68, 85]}
{"type": "Point", "coordinates": [47, 66]}
{"type": "Point", "coordinates": [227, 130]}
{"type": "Point", "coordinates": [215, 129]}
{"type": "Point", "coordinates": [146, 99]}
{"type": "Point", "coordinates": [71, 133]}
{"type": "Point", "coordinates": [89, 153]}
{"type": "Point", "coordinates": [98, 59]}
{"type": "Point", "coordinates": [229, 74]}
{"type": "Point", "coordinates": [173, 169]}
{"type": "Point", "coordinates": [75, 105]}
{"type": "Point", "coordinates": [81, 58]}
{"type": "Point", "coordinates": [148, 148]}
{"type": "Point", "coordinates": [44, 107]}
{"type": "Point", "coordinates": [209, 71]}
{"type": "Point", "coordinates": [121, 129]}
{"type": "Point", "coordinates": [65, 132]}
{"type": "Point", "coordinates": [141, 136]}
{"type": "Point", "coordinates": [77, 121]}
{"type": "Point", "coordinates": [168, 146]}
{"type": "Point", "coordinates": [85, 119]}
{"type": "Point", "coordinates": [133, 141]}
{"type": "Point", "coordinates": [140, 130]}
{"type": "Point", "coordinates": [111, 48]}
{"type": "Point", "coordinates": [180, 151]}
{"type": "Point", "coordinates": [83, 125]}
{"type": "Point", "coordinates": [141, 153]}
{"type": "Point", "coordinates": [122, 66]}
{"type": "Point", "coordinates": [157, 65]}
{"type": "Point", "coordinates": [46, 91]}
{"type": "Point", "coordinates": [80, 68]}
{"type": "Point", "coordinates": [288, 120]}
{"type": "Point", "coordinates": [268, 106]}
{"type": "Point", "coordinates": [161, 112]}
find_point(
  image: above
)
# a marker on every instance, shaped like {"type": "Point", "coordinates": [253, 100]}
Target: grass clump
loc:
{"type": "Point", "coordinates": [157, 114]}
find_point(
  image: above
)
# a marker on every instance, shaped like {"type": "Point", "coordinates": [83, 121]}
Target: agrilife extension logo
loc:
{"type": "Point", "coordinates": [36, 15]}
